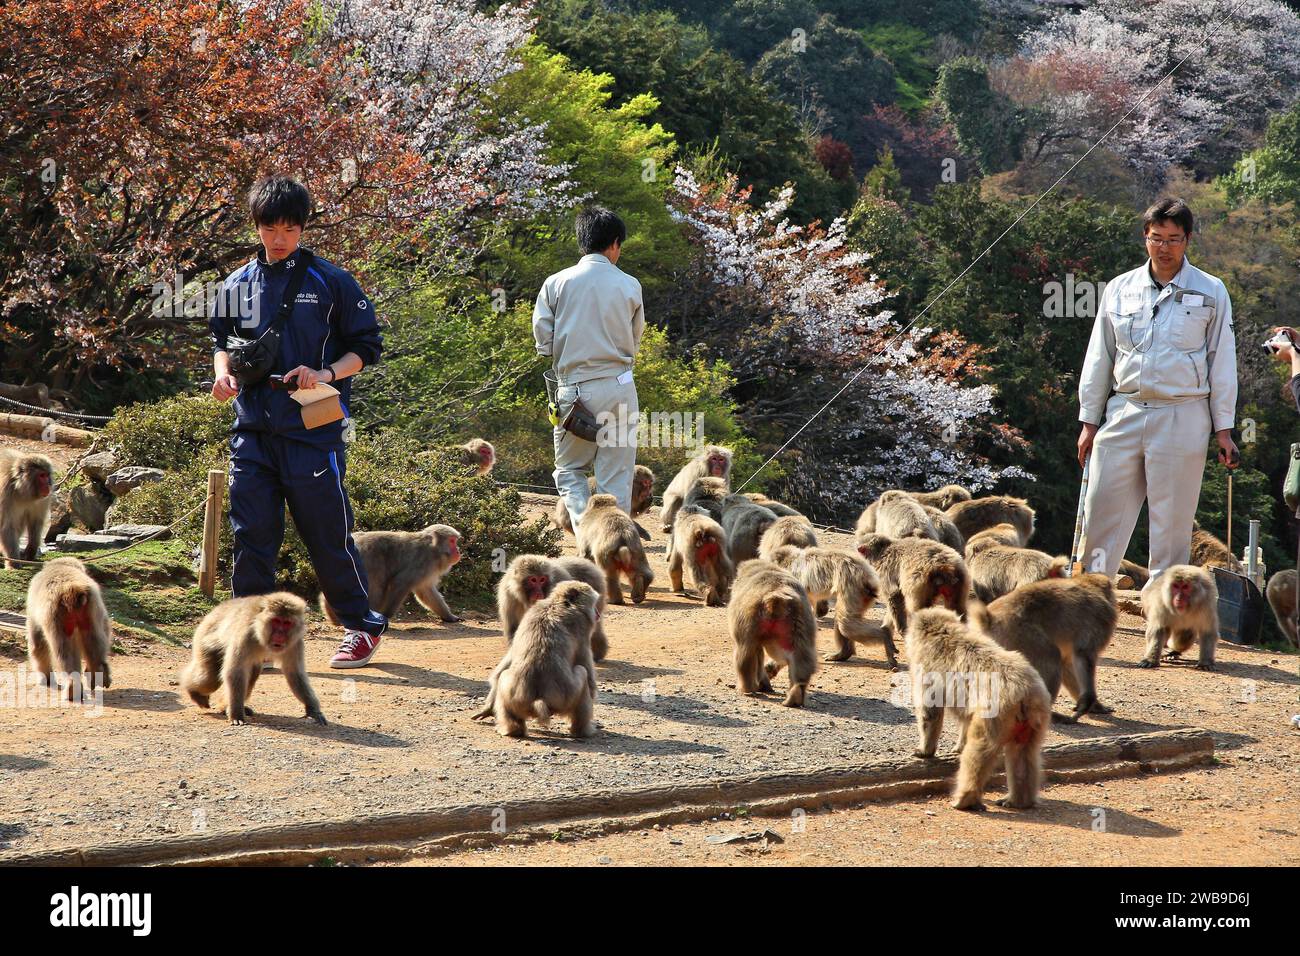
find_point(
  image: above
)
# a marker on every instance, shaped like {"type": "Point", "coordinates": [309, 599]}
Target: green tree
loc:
{"type": "Point", "coordinates": [988, 125]}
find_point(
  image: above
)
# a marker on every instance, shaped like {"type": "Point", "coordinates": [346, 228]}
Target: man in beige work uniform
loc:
{"type": "Point", "coordinates": [1162, 368]}
{"type": "Point", "coordinates": [589, 319]}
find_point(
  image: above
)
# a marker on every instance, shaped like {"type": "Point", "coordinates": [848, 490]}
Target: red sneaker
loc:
{"type": "Point", "coordinates": [356, 650]}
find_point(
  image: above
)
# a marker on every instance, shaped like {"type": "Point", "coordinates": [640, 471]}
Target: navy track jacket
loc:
{"type": "Point", "coordinates": [331, 317]}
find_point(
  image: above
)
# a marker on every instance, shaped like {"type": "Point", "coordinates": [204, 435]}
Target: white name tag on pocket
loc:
{"type": "Point", "coordinates": [625, 378]}
{"type": "Point", "coordinates": [1193, 301]}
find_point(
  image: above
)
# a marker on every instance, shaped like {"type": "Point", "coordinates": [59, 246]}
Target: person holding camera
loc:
{"type": "Point", "coordinates": [589, 319]}
{"type": "Point", "coordinates": [290, 320]}
{"type": "Point", "coordinates": [1161, 370]}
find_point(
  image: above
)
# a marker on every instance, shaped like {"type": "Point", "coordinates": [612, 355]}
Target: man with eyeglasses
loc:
{"type": "Point", "coordinates": [1159, 377]}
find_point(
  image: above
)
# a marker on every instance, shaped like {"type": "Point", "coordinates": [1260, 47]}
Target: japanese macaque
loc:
{"type": "Point", "coordinates": [996, 569]}
{"type": "Point", "coordinates": [709, 494]}
{"type": "Point", "coordinates": [914, 574]}
{"type": "Point", "coordinates": [25, 484]}
{"type": "Point", "coordinates": [769, 613]}
{"type": "Point", "coordinates": [793, 530]}
{"type": "Point", "coordinates": [1061, 625]}
{"type": "Point", "coordinates": [899, 515]}
{"type": "Point", "coordinates": [479, 455]}
{"type": "Point", "coordinates": [608, 537]}
{"type": "Point", "coordinates": [643, 486]}
{"type": "Point", "coordinates": [1209, 552]}
{"type": "Point", "coordinates": [942, 498]}
{"type": "Point", "coordinates": [998, 697]}
{"type": "Point", "coordinates": [1181, 606]}
{"type": "Point", "coordinates": [712, 461]}
{"type": "Point", "coordinates": [771, 504]}
{"type": "Point", "coordinates": [1003, 534]}
{"type": "Point", "coordinates": [851, 580]}
{"type": "Point", "coordinates": [399, 563]}
{"type": "Point", "coordinates": [231, 643]}
{"type": "Point", "coordinates": [700, 545]}
{"type": "Point", "coordinates": [944, 529]}
{"type": "Point", "coordinates": [548, 670]}
{"type": "Point", "coordinates": [531, 577]}
{"type": "Point", "coordinates": [67, 624]}
{"type": "Point", "coordinates": [745, 524]}
{"type": "Point", "coordinates": [1137, 575]}
{"type": "Point", "coordinates": [976, 515]}
{"type": "Point", "coordinates": [1281, 592]}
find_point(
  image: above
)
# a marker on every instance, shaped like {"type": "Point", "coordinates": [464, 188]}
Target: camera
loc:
{"type": "Point", "coordinates": [1280, 340]}
{"type": "Point", "coordinates": [278, 383]}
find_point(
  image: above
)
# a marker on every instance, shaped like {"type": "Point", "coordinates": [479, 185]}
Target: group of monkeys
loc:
{"type": "Point", "coordinates": [960, 585]}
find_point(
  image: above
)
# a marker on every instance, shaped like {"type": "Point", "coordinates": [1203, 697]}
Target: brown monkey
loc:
{"type": "Point", "coordinates": [899, 515]}
{"type": "Point", "coordinates": [1061, 625]}
{"type": "Point", "coordinates": [996, 570]}
{"type": "Point", "coordinates": [25, 485]}
{"type": "Point", "coordinates": [232, 641]}
{"type": "Point", "coordinates": [709, 494]}
{"type": "Point", "coordinates": [852, 581]}
{"type": "Point", "coordinates": [1139, 574]}
{"type": "Point", "coordinates": [915, 573]}
{"type": "Point", "coordinates": [745, 524]}
{"type": "Point", "coordinates": [1281, 593]}
{"type": "Point", "coordinates": [699, 543]}
{"type": "Point", "coordinates": [944, 529]}
{"type": "Point", "coordinates": [548, 669]}
{"type": "Point", "coordinates": [793, 530]}
{"type": "Point", "coordinates": [479, 455]}
{"type": "Point", "coordinates": [942, 499]}
{"type": "Point", "coordinates": [1003, 534]}
{"type": "Point", "coordinates": [643, 485]}
{"type": "Point", "coordinates": [608, 537]}
{"type": "Point", "coordinates": [399, 563]}
{"type": "Point", "coordinates": [769, 612]}
{"type": "Point", "coordinates": [1209, 552]}
{"type": "Point", "coordinates": [978, 514]}
{"type": "Point", "coordinates": [1000, 700]}
{"type": "Point", "coordinates": [771, 504]}
{"type": "Point", "coordinates": [712, 461]}
{"type": "Point", "coordinates": [1182, 606]}
{"type": "Point", "coordinates": [67, 623]}
{"type": "Point", "coordinates": [532, 577]}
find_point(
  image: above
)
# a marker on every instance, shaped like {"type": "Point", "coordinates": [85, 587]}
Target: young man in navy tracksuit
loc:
{"type": "Point", "coordinates": [330, 335]}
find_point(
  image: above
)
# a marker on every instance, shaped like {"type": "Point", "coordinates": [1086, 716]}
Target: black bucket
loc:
{"type": "Point", "coordinates": [1241, 607]}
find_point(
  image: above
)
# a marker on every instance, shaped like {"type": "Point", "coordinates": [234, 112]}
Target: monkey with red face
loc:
{"type": "Point", "coordinates": [25, 485]}
{"type": "Point", "coordinates": [1181, 607]}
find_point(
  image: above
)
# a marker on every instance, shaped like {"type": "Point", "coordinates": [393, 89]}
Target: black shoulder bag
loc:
{"type": "Point", "coordinates": [251, 360]}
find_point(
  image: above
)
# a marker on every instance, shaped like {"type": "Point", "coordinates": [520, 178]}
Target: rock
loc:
{"type": "Point", "coordinates": [133, 476]}
{"type": "Point", "coordinates": [88, 503]}
{"type": "Point", "coordinates": [60, 515]}
{"type": "Point", "coordinates": [137, 531]}
{"type": "Point", "coordinates": [99, 465]}
{"type": "Point", "coordinates": [90, 542]}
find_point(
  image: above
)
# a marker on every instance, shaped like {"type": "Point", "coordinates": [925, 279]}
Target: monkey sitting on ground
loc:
{"type": "Point", "coordinates": [643, 484]}
{"type": "Point", "coordinates": [850, 579]}
{"type": "Point", "coordinates": [699, 543]}
{"type": "Point", "coordinates": [771, 504]}
{"type": "Point", "coordinates": [941, 498]}
{"type": "Point", "coordinates": [712, 461]}
{"type": "Point", "coordinates": [608, 537]}
{"type": "Point", "coordinates": [745, 524]}
{"type": "Point", "coordinates": [231, 643]}
{"type": "Point", "coordinates": [792, 530]}
{"type": "Point", "coordinates": [399, 563]}
{"type": "Point", "coordinates": [996, 570]}
{"type": "Point", "coordinates": [25, 485]}
{"type": "Point", "coordinates": [976, 515]}
{"type": "Point", "coordinates": [532, 577]}
{"type": "Point", "coordinates": [1061, 625]}
{"type": "Point", "coordinates": [67, 623]}
{"type": "Point", "coordinates": [1181, 606]}
{"type": "Point", "coordinates": [478, 454]}
{"type": "Point", "coordinates": [770, 613]}
{"type": "Point", "coordinates": [1209, 552]}
{"type": "Point", "coordinates": [548, 669]}
{"type": "Point", "coordinates": [1006, 712]}
{"type": "Point", "coordinates": [914, 574]}
{"type": "Point", "coordinates": [1281, 593]}
{"type": "Point", "coordinates": [709, 494]}
{"type": "Point", "coordinates": [944, 529]}
{"type": "Point", "coordinates": [899, 515]}
{"type": "Point", "coordinates": [1003, 534]}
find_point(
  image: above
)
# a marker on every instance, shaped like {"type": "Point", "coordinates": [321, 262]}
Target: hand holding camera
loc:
{"type": "Point", "coordinates": [1282, 344]}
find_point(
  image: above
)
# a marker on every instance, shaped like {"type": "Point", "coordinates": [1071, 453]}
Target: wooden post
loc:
{"type": "Point", "coordinates": [211, 531]}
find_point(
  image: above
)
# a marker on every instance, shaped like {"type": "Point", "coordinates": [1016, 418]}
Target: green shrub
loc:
{"type": "Point", "coordinates": [171, 433]}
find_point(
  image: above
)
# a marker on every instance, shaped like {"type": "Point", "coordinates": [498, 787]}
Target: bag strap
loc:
{"type": "Point", "coordinates": [291, 289]}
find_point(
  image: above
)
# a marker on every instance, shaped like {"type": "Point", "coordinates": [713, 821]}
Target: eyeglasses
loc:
{"type": "Point", "coordinates": [1165, 243]}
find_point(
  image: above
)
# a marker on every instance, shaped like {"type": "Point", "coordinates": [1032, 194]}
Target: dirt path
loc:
{"type": "Point", "coordinates": [400, 738]}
